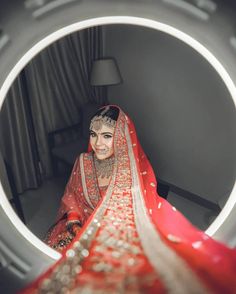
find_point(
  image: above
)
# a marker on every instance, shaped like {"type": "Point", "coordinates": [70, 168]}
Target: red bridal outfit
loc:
{"type": "Point", "coordinates": [131, 240]}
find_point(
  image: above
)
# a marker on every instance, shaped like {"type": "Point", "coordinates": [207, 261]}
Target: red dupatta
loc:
{"type": "Point", "coordinates": [132, 240]}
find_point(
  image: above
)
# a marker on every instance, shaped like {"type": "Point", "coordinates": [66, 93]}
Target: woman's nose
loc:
{"type": "Point", "coordinates": [98, 141]}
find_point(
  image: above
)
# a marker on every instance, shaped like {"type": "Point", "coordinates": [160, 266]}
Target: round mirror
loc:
{"type": "Point", "coordinates": [175, 109]}
{"type": "Point", "coordinates": [214, 99]}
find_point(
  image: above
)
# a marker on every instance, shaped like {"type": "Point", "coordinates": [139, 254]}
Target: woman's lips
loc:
{"type": "Point", "coordinates": [101, 151]}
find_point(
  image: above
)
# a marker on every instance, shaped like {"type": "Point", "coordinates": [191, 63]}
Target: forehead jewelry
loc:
{"type": "Point", "coordinates": [99, 120]}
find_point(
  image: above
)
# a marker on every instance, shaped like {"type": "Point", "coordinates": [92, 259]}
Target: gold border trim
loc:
{"type": "Point", "coordinates": [173, 271]}
{"type": "Point", "coordinates": [81, 159]}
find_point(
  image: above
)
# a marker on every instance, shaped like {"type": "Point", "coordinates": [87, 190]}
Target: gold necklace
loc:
{"type": "Point", "coordinates": [104, 167]}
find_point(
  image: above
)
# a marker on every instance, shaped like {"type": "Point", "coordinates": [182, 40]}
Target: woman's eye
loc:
{"type": "Point", "coordinates": [107, 136]}
{"type": "Point", "coordinates": [92, 135]}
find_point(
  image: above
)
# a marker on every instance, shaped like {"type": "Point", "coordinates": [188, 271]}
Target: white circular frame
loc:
{"type": "Point", "coordinates": [26, 233]}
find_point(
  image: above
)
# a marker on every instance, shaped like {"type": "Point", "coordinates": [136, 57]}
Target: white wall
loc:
{"type": "Point", "coordinates": [183, 113]}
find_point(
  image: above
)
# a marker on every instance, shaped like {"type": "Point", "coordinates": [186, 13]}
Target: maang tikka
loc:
{"type": "Point", "coordinates": [98, 120]}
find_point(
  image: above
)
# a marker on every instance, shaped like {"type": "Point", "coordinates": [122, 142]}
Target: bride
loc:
{"type": "Point", "coordinates": [117, 235]}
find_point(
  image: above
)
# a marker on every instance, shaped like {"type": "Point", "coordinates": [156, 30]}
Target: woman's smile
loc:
{"type": "Point", "coordinates": [102, 151]}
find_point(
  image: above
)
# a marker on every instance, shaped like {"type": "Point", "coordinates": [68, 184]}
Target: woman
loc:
{"type": "Point", "coordinates": [119, 236]}
{"type": "Point", "coordinates": [77, 204]}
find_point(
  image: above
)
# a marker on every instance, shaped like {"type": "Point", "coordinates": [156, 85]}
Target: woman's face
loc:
{"type": "Point", "coordinates": [101, 141]}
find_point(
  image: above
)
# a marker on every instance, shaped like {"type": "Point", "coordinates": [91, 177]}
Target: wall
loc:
{"type": "Point", "coordinates": [183, 113]}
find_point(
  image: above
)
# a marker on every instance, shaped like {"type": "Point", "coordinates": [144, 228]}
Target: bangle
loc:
{"type": "Point", "coordinates": [71, 223]}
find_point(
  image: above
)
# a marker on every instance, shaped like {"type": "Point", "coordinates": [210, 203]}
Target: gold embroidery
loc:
{"type": "Point", "coordinates": [84, 182]}
{"type": "Point", "coordinates": [175, 274]}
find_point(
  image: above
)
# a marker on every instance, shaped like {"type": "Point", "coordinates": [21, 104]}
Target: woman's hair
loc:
{"type": "Point", "coordinates": [111, 112]}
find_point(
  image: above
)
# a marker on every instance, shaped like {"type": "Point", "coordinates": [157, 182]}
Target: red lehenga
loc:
{"type": "Point", "coordinates": [132, 240]}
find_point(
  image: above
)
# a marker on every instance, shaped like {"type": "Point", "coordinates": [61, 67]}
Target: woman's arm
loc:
{"type": "Point", "coordinates": [73, 203]}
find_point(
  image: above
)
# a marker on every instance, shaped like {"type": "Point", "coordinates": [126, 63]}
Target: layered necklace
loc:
{"type": "Point", "coordinates": [104, 167]}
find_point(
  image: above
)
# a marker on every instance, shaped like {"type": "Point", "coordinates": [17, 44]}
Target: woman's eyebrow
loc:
{"type": "Point", "coordinates": [106, 133]}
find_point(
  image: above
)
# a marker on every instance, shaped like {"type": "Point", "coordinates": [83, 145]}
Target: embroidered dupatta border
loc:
{"type": "Point", "coordinates": [173, 271]}
{"type": "Point", "coordinates": [83, 180]}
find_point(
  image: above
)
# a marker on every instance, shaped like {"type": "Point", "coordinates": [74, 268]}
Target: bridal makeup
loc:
{"type": "Point", "coordinates": [102, 141]}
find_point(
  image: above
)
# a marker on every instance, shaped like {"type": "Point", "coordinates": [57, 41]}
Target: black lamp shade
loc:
{"type": "Point", "coordinates": [105, 72]}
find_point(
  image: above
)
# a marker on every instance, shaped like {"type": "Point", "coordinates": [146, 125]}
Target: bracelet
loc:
{"type": "Point", "coordinates": [70, 223]}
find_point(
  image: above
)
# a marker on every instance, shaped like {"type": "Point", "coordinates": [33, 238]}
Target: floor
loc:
{"type": "Point", "coordinates": [198, 215]}
{"type": "Point", "coordinates": [40, 207]}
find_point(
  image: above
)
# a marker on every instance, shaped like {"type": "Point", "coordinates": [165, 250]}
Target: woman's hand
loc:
{"type": "Point", "coordinates": [73, 226]}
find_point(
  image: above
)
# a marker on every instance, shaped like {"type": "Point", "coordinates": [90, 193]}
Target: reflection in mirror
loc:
{"type": "Point", "coordinates": [183, 113]}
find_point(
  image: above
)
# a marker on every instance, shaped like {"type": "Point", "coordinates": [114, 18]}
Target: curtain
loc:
{"type": "Point", "coordinates": [56, 83]}
{"type": "Point", "coordinates": [17, 143]}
